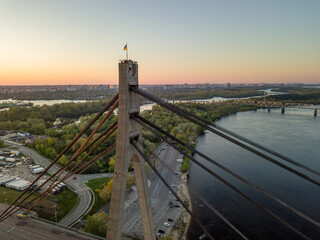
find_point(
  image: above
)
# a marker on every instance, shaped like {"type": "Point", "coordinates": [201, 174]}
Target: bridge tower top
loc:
{"type": "Point", "coordinates": [125, 152]}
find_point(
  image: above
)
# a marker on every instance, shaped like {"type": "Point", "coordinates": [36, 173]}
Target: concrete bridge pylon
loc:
{"type": "Point", "coordinates": [125, 152]}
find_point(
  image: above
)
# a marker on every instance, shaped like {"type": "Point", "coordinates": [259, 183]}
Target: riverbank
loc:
{"type": "Point", "coordinates": [182, 225]}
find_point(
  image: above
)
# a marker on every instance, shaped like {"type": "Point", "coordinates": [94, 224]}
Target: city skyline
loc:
{"type": "Point", "coordinates": [77, 42]}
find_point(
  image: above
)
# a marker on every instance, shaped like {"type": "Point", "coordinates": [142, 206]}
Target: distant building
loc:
{"type": "Point", "coordinates": [71, 89]}
{"type": "Point", "coordinates": [228, 85]}
{"type": "Point", "coordinates": [23, 134]}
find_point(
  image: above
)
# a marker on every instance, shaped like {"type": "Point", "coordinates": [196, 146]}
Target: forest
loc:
{"type": "Point", "coordinates": [76, 95]}
{"type": "Point", "coordinates": [298, 95]}
{"type": "Point", "coordinates": [39, 120]}
{"type": "Point", "coordinates": [187, 94]}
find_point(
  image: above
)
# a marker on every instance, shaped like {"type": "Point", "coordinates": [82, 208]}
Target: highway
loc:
{"type": "Point", "coordinates": [160, 196]}
{"type": "Point", "coordinates": [85, 196]}
{"type": "Point", "coordinates": [34, 229]}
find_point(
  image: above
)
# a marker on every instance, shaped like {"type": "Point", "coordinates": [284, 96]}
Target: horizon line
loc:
{"type": "Point", "coordinates": [248, 83]}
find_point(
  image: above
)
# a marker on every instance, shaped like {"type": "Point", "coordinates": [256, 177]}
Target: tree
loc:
{"type": "Point", "coordinates": [63, 160]}
{"type": "Point", "coordinates": [130, 180]}
{"type": "Point", "coordinates": [97, 224]}
{"type": "Point", "coordinates": [2, 145]}
{"type": "Point", "coordinates": [109, 186]}
{"type": "Point", "coordinates": [105, 193]}
{"type": "Point", "coordinates": [111, 163]}
{"type": "Point", "coordinates": [166, 237]}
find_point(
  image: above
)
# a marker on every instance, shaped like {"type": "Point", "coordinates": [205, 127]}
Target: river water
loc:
{"type": "Point", "coordinates": [295, 134]}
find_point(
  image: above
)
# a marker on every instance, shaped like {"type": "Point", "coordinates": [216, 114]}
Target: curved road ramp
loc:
{"type": "Point", "coordinates": [35, 229]}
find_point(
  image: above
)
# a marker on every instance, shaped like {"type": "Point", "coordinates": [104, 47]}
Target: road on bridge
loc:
{"type": "Point", "coordinates": [159, 195]}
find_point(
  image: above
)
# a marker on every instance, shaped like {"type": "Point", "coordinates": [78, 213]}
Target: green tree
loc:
{"type": "Point", "coordinates": [104, 194]}
{"type": "Point", "coordinates": [2, 145]}
{"type": "Point", "coordinates": [166, 237]}
{"type": "Point", "coordinates": [111, 163]}
{"type": "Point", "coordinates": [97, 224]}
{"type": "Point", "coordinates": [63, 160]}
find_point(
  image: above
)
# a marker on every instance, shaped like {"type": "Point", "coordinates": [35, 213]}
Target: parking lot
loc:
{"type": "Point", "coordinates": [18, 166]}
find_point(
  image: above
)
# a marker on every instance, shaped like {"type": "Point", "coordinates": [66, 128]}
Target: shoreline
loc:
{"type": "Point", "coordinates": [180, 230]}
{"type": "Point", "coordinates": [181, 227]}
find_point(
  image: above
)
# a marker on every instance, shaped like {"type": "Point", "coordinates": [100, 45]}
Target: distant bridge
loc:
{"type": "Point", "coordinates": [262, 103]}
{"type": "Point", "coordinates": [270, 104]}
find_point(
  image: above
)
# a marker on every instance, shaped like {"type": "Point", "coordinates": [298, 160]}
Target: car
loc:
{"type": "Point", "coordinates": [161, 231]}
{"type": "Point", "coordinates": [22, 215]}
{"type": "Point", "coordinates": [203, 236]}
{"type": "Point", "coordinates": [170, 220]}
{"type": "Point", "coordinates": [167, 224]}
{"type": "Point", "coordinates": [177, 205]}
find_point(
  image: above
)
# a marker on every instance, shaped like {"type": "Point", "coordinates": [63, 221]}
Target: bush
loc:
{"type": "Point", "coordinates": [97, 224]}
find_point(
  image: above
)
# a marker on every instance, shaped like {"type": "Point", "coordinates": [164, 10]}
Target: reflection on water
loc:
{"type": "Point", "coordinates": [295, 134]}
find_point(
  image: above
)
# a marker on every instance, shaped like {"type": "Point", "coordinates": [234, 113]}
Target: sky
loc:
{"type": "Point", "coordinates": [208, 41]}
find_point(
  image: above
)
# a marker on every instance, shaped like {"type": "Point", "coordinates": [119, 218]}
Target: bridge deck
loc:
{"type": "Point", "coordinates": [33, 229]}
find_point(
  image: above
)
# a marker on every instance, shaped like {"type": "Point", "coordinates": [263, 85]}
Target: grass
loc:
{"type": "Point", "coordinates": [4, 146]}
{"type": "Point", "coordinates": [96, 186]}
{"type": "Point", "coordinates": [13, 147]}
{"type": "Point", "coordinates": [9, 194]}
{"type": "Point", "coordinates": [66, 200]}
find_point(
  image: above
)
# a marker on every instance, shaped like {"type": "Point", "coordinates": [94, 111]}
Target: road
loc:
{"type": "Point", "coordinates": [34, 229]}
{"type": "Point", "coordinates": [85, 196]}
{"type": "Point", "coordinates": [160, 196]}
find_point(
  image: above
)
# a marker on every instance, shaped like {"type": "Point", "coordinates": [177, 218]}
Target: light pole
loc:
{"type": "Point", "coordinates": [55, 212]}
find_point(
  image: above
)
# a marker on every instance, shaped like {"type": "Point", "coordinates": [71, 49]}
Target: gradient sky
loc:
{"type": "Point", "coordinates": [81, 41]}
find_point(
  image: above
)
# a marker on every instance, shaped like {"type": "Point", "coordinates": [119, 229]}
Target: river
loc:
{"type": "Point", "coordinates": [295, 134]}
{"type": "Point", "coordinates": [269, 91]}
{"type": "Point", "coordinates": [143, 107]}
